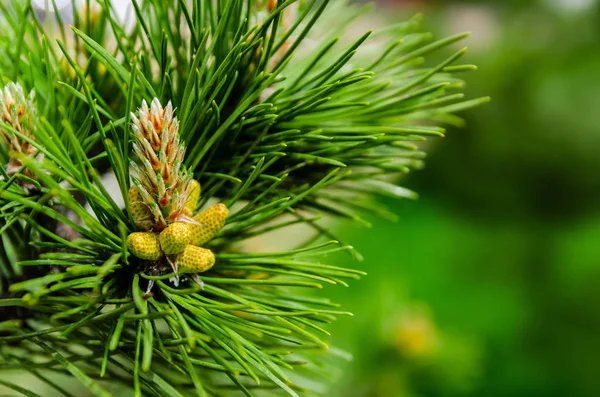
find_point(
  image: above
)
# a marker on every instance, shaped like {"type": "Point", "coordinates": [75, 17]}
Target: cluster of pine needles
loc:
{"type": "Point", "coordinates": [286, 117]}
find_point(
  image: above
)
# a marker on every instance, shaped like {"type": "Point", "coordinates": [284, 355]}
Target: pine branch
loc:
{"type": "Point", "coordinates": [284, 119]}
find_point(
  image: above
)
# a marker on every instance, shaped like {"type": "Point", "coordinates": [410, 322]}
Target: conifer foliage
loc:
{"type": "Point", "coordinates": [141, 176]}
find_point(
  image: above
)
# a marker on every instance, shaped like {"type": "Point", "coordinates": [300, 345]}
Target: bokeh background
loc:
{"type": "Point", "coordinates": [489, 285]}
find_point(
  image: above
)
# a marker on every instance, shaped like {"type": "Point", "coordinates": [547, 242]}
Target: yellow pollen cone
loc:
{"type": "Point", "coordinates": [144, 245]}
{"type": "Point", "coordinates": [141, 214]}
{"type": "Point", "coordinates": [174, 238]}
{"type": "Point", "coordinates": [212, 220]}
{"type": "Point", "coordinates": [193, 198]}
{"type": "Point", "coordinates": [195, 260]}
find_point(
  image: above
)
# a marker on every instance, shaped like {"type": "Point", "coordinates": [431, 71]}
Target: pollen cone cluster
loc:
{"type": "Point", "coordinates": [16, 114]}
{"type": "Point", "coordinates": [164, 197]}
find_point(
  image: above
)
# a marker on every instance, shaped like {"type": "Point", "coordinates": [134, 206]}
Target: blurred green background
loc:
{"type": "Point", "coordinates": [489, 285]}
